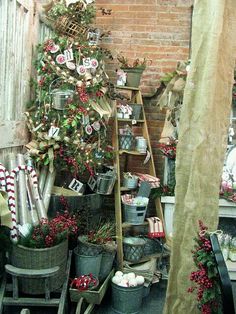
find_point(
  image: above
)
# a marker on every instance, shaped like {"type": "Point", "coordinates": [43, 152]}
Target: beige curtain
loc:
{"type": "Point", "coordinates": [202, 140]}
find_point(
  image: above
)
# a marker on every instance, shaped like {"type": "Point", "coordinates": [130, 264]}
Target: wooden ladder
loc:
{"type": "Point", "coordinates": [135, 97]}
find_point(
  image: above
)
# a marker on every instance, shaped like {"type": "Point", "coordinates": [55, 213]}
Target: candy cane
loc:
{"type": "Point", "coordinates": [11, 195]}
{"type": "Point", "coordinates": [3, 174]}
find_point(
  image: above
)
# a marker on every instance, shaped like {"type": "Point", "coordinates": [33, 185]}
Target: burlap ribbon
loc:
{"type": "Point", "coordinates": [5, 213]}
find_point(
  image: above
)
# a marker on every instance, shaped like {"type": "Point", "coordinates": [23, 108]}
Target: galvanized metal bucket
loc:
{"type": "Point", "coordinates": [126, 300]}
{"type": "Point", "coordinates": [105, 183]}
{"type": "Point", "coordinates": [86, 264]}
{"type": "Point", "coordinates": [106, 264]}
{"type": "Point", "coordinates": [133, 76]}
{"type": "Point", "coordinates": [60, 98]}
{"type": "Point", "coordinates": [130, 183]}
{"type": "Point", "coordinates": [141, 144]}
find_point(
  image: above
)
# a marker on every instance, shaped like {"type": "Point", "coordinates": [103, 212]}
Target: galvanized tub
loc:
{"type": "Point", "coordinates": [86, 264]}
{"type": "Point", "coordinates": [126, 300]}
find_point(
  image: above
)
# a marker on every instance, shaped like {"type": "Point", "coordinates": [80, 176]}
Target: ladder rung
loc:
{"type": "Point", "coordinates": [124, 189]}
{"type": "Point", "coordinates": [131, 152]}
{"type": "Point", "coordinates": [128, 225]}
{"type": "Point", "coordinates": [127, 87]}
{"type": "Point", "coordinates": [148, 257]}
{"type": "Point", "coordinates": [130, 120]}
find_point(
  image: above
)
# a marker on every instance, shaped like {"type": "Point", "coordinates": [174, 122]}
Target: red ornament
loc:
{"type": "Point", "coordinates": [84, 97]}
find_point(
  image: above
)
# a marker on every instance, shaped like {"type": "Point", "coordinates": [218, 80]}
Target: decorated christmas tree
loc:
{"type": "Point", "coordinates": [69, 114]}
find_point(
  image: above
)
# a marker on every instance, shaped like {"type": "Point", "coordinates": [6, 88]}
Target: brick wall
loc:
{"type": "Point", "coordinates": [154, 29]}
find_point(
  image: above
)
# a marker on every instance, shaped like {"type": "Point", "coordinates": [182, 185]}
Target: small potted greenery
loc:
{"type": "Point", "coordinates": [44, 246]}
{"type": "Point", "coordinates": [96, 251]}
{"type": "Point", "coordinates": [124, 111]}
{"type": "Point", "coordinates": [133, 69]}
{"type": "Point", "coordinates": [96, 239]}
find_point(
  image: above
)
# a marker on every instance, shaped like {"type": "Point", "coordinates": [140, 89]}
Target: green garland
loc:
{"type": "Point", "coordinates": [77, 68]}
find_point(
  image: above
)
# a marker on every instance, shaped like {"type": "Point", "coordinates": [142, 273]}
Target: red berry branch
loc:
{"type": "Point", "coordinates": [206, 276]}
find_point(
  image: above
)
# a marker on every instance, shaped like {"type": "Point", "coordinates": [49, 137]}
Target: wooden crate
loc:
{"type": "Point", "coordinates": [93, 296]}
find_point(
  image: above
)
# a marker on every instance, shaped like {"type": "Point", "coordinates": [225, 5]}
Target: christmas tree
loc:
{"type": "Point", "coordinates": [69, 117]}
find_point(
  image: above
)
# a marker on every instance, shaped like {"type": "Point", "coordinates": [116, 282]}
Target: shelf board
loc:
{"type": "Point", "coordinates": [130, 120]}
{"type": "Point", "coordinates": [126, 225]}
{"type": "Point", "coordinates": [147, 258]}
{"type": "Point", "coordinates": [127, 87]}
{"type": "Point", "coordinates": [131, 152]}
{"type": "Point", "coordinates": [124, 189]}
{"type": "Point", "coordinates": [231, 266]}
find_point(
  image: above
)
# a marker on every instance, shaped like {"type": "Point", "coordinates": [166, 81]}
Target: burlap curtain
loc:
{"type": "Point", "coordinates": [202, 140]}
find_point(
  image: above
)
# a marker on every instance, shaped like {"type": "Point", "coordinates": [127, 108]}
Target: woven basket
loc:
{"type": "Point", "coordinates": [151, 246]}
{"type": "Point", "coordinates": [29, 258]}
{"type": "Point", "coordinates": [86, 248]}
{"type": "Point", "coordinates": [133, 248]}
{"type": "Point", "coordinates": [69, 27]}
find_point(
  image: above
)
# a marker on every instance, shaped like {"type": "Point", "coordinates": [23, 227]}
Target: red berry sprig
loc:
{"type": "Point", "coordinates": [206, 278]}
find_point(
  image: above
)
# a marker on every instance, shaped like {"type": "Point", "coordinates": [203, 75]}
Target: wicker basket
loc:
{"type": "Point", "coordinates": [133, 248]}
{"type": "Point", "coordinates": [29, 258]}
{"type": "Point", "coordinates": [71, 28]}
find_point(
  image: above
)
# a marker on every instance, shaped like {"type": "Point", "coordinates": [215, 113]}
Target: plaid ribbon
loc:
{"type": "Point", "coordinates": [127, 199]}
{"type": "Point", "coordinates": [156, 229]}
{"type": "Point", "coordinates": [153, 181]}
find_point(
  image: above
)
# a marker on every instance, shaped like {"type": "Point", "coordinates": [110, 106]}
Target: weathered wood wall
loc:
{"type": "Point", "coordinates": [16, 40]}
{"type": "Point", "coordinates": [20, 31]}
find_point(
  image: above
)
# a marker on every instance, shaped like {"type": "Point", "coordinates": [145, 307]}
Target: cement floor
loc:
{"type": "Point", "coordinates": [152, 304]}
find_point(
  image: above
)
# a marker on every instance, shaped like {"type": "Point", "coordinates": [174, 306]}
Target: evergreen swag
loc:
{"type": "Point", "coordinates": [49, 233]}
{"type": "Point", "coordinates": [206, 278]}
{"type": "Point", "coordinates": [73, 138]}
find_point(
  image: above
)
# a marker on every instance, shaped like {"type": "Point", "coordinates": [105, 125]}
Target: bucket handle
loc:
{"type": "Point", "coordinates": [50, 86]}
